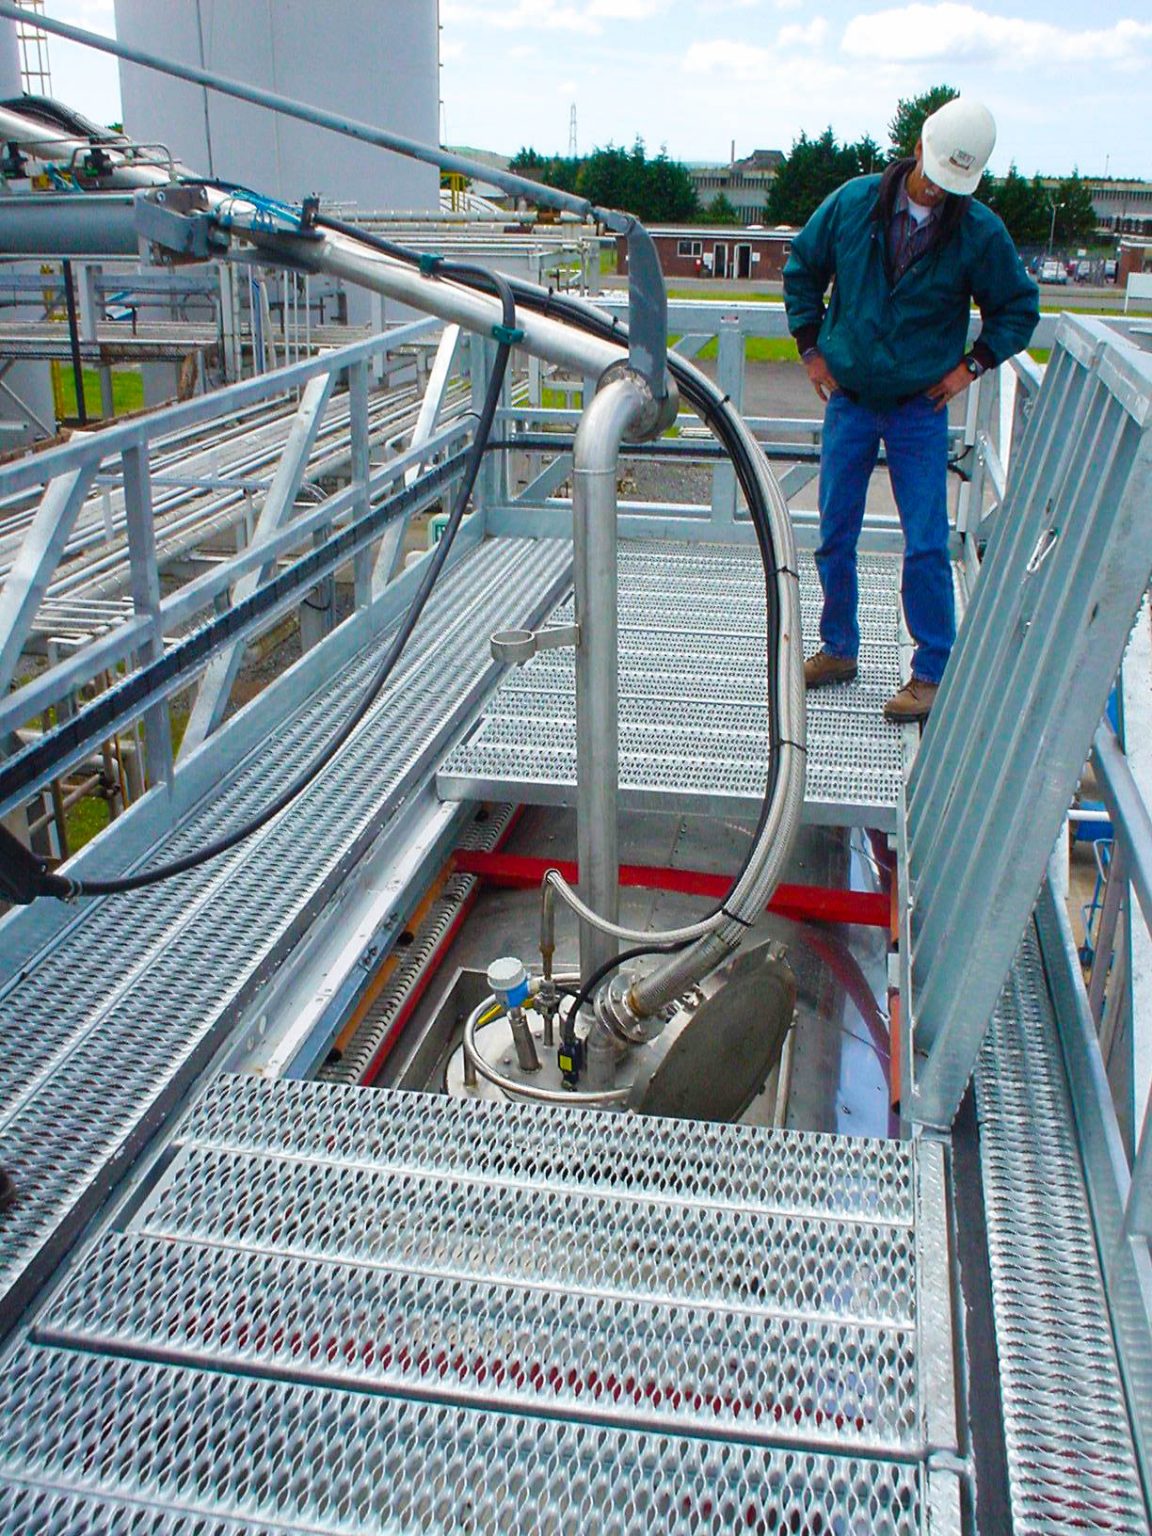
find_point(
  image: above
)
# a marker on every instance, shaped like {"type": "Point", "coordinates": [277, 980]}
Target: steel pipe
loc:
{"type": "Point", "coordinates": [613, 415]}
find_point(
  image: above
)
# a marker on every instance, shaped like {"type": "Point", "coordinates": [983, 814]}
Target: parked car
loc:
{"type": "Point", "coordinates": [1053, 272]}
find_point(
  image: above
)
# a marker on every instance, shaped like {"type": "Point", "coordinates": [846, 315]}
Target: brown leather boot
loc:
{"type": "Point", "coordinates": [822, 669]}
{"type": "Point", "coordinates": [913, 702]}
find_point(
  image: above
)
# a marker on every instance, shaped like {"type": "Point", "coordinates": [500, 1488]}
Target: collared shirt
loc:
{"type": "Point", "coordinates": [908, 238]}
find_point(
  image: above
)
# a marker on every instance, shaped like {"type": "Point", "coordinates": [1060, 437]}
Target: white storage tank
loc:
{"type": "Point", "coordinates": [375, 60]}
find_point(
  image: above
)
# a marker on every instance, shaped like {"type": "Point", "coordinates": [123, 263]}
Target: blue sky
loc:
{"type": "Point", "coordinates": [1067, 82]}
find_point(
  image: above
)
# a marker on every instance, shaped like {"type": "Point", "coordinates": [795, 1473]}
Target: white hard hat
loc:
{"type": "Point", "coordinates": [957, 141]}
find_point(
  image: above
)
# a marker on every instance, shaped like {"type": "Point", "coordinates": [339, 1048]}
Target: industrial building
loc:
{"type": "Point", "coordinates": [509, 1061]}
{"type": "Point", "coordinates": [697, 250]}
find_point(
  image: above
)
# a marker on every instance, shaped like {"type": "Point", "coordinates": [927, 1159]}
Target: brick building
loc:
{"type": "Point", "coordinates": [711, 250]}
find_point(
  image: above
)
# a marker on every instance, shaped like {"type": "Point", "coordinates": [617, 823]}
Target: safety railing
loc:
{"type": "Point", "coordinates": [1068, 562]}
{"type": "Point", "coordinates": [181, 623]}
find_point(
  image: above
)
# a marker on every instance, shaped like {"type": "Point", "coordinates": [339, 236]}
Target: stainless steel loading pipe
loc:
{"type": "Point", "coordinates": [616, 412]}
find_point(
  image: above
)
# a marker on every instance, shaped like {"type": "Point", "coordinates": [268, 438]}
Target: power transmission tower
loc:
{"type": "Point", "coordinates": [572, 152]}
{"type": "Point", "coordinates": [35, 71]}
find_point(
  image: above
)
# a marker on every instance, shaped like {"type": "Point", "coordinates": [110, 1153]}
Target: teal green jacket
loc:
{"type": "Point", "coordinates": [886, 340]}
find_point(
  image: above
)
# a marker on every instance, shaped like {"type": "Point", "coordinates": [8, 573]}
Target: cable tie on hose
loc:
{"type": "Point", "coordinates": [507, 335]}
{"type": "Point", "coordinates": [785, 570]}
{"type": "Point", "coordinates": [736, 918]}
{"type": "Point", "coordinates": [797, 746]}
{"type": "Point", "coordinates": [430, 262]}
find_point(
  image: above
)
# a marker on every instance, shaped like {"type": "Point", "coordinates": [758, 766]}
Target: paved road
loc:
{"type": "Point", "coordinates": [1074, 296]}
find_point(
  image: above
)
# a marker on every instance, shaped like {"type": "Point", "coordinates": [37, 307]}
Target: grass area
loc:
{"type": "Point", "coordinates": [83, 820]}
{"type": "Point", "coordinates": [732, 298]}
{"type": "Point", "coordinates": [608, 261]}
{"type": "Point", "coordinates": [127, 392]}
{"type": "Point", "coordinates": [757, 349]}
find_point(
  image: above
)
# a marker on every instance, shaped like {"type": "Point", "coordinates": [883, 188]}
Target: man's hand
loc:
{"type": "Point", "coordinates": [954, 383]}
{"type": "Point", "coordinates": [820, 376]}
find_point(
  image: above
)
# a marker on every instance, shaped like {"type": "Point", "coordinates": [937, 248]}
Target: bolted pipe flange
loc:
{"type": "Point", "coordinates": [653, 416]}
{"type": "Point", "coordinates": [614, 1010]}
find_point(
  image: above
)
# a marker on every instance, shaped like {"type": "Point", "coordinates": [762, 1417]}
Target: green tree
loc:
{"type": "Point", "coordinates": [669, 194]}
{"type": "Point", "coordinates": [657, 190]}
{"type": "Point", "coordinates": [1075, 218]}
{"type": "Point", "coordinates": [720, 211]}
{"type": "Point", "coordinates": [1020, 203]}
{"type": "Point", "coordinates": [869, 155]}
{"type": "Point", "coordinates": [904, 129]}
{"type": "Point", "coordinates": [558, 171]}
{"type": "Point", "coordinates": [813, 169]}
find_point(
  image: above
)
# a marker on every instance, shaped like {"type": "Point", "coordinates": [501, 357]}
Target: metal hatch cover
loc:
{"type": "Point", "coordinates": [724, 1047]}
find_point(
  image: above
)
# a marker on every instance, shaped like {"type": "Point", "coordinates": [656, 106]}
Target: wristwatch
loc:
{"type": "Point", "coordinates": [974, 366]}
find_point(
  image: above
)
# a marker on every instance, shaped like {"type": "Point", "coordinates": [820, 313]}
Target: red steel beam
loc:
{"type": "Point", "coordinates": [804, 903]}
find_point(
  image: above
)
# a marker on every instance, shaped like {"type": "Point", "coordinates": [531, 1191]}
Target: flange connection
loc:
{"type": "Point", "coordinates": [654, 416]}
{"type": "Point", "coordinates": [614, 1010]}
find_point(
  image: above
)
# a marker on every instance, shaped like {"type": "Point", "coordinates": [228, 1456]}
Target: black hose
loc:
{"type": "Point", "coordinates": [568, 1028]}
{"type": "Point", "coordinates": [713, 408]}
{"type": "Point", "coordinates": [58, 885]}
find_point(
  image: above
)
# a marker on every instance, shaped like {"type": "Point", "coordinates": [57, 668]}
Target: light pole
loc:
{"type": "Point", "coordinates": [1052, 231]}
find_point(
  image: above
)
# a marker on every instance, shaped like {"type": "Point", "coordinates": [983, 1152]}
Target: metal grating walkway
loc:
{"type": "Point", "coordinates": [350, 1310]}
{"type": "Point", "coordinates": [692, 698]}
{"type": "Point", "coordinates": [108, 1024]}
{"type": "Point", "coordinates": [1071, 1461]}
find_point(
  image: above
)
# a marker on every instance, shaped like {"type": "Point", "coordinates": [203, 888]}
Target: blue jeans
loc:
{"type": "Point", "coordinates": [916, 437]}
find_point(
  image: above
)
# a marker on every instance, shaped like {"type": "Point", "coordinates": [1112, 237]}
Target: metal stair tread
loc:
{"type": "Point", "coordinates": [755, 1378]}
{"type": "Point", "coordinates": [239, 1448]}
{"type": "Point", "coordinates": [178, 966]}
{"type": "Point", "coordinates": [690, 616]}
{"type": "Point", "coordinates": [723, 1166]}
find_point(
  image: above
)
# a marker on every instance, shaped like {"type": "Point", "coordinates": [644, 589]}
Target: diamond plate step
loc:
{"type": "Point", "coordinates": [330, 1309]}
{"type": "Point", "coordinates": [692, 698]}
{"type": "Point", "coordinates": [133, 996]}
{"type": "Point", "coordinates": [314, 1459]}
{"type": "Point", "coordinates": [1071, 1460]}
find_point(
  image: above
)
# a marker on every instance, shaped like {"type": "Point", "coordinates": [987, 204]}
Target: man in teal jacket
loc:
{"type": "Point", "coordinates": [906, 253]}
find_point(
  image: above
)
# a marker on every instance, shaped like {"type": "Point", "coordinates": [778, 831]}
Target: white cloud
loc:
{"type": "Point", "coordinates": [952, 32]}
{"type": "Point", "coordinates": [799, 36]}
{"type": "Point", "coordinates": [586, 17]}
{"type": "Point", "coordinates": [721, 56]}
{"type": "Point", "coordinates": [543, 15]}
{"type": "Point", "coordinates": [625, 10]}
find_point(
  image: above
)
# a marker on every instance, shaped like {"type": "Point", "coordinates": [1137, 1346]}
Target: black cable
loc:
{"type": "Point", "coordinates": [714, 408]}
{"type": "Point", "coordinates": [568, 1028]}
{"type": "Point", "coordinates": [58, 885]}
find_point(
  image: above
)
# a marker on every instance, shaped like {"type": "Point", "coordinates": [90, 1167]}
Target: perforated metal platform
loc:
{"type": "Point", "coordinates": [1071, 1461]}
{"type": "Point", "coordinates": [332, 1309]}
{"type": "Point", "coordinates": [99, 1029]}
{"type": "Point", "coordinates": [693, 716]}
